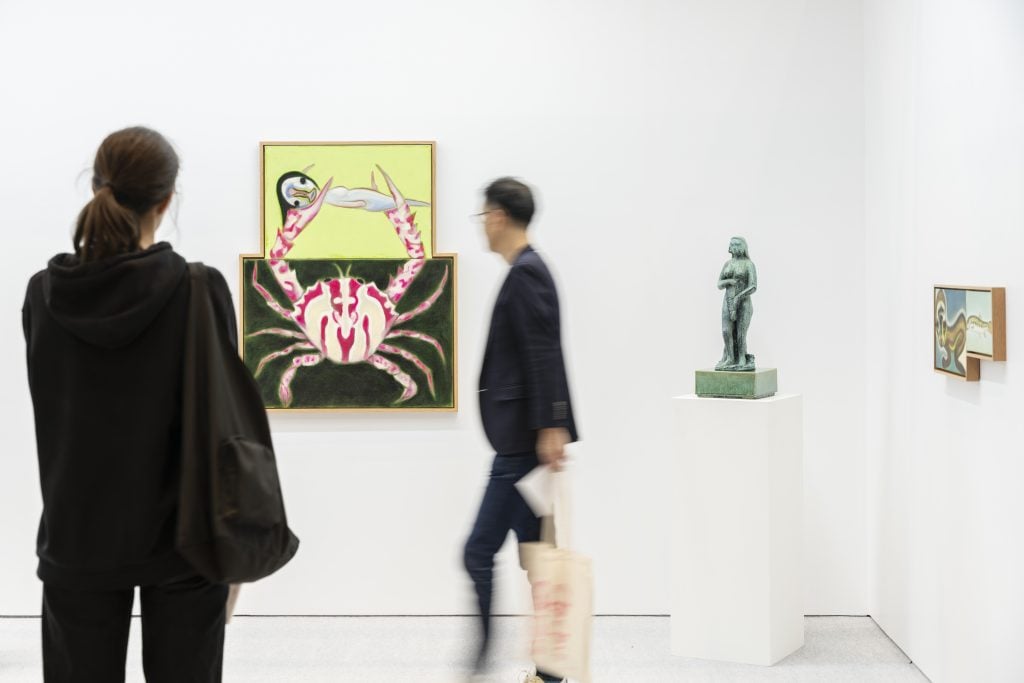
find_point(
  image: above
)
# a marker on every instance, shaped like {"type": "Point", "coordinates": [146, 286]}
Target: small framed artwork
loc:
{"type": "Point", "coordinates": [349, 306]}
{"type": "Point", "coordinates": [969, 326]}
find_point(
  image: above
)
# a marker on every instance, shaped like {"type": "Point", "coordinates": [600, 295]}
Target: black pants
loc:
{"type": "Point", "coordinates": [502, 509]}
{"type": "Point", "coordinates": [85, 633]}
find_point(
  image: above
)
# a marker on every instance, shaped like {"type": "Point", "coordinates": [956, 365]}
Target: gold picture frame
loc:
{"type": "Point", "coordinates": [353, 241]}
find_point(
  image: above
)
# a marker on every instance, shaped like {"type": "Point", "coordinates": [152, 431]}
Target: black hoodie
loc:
{"type": "Point", "coordinates": [104, 343]}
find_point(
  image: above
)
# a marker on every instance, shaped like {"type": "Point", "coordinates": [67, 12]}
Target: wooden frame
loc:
{"type": "Point", "coordinates": [947, 337]}
{"type": "Point", "coordinates": [433, 173]}
{"type": "Point", "coordinates": [453, 276]}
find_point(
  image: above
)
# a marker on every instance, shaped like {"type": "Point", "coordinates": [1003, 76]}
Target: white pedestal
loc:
{"type": "Point", "coordinates": [736, 566]}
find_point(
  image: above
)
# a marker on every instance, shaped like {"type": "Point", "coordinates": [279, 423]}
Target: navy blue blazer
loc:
{"type": "Point", "coordinates": [523, 385]}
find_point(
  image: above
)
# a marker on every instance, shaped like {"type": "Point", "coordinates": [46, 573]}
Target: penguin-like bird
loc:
{"type": "Point", "coordinates": [296, 190]}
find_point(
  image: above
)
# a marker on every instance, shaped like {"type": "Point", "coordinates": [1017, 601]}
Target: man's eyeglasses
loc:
{"type": "Point", "coordinates": [480, 216]}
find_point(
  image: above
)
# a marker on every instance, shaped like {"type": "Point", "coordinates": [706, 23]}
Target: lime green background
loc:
{"type": "Point", "coordinates": [350, 233]}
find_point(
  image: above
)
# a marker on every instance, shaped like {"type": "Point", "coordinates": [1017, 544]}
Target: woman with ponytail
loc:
{"type": "Point", "coordinates": [104, 330]}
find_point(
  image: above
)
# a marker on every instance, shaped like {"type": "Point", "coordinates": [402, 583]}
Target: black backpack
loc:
{"type": "Point", "coordinates": [231, 522]}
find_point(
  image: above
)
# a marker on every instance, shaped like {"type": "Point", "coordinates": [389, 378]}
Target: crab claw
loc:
{"type": "Point", "coordinates": [399, 199]}
{"type": "Point", "coordinates": [300, 218]}
{"type": "Point", "coordinates": [310, 211]}
{"type": "Point", "coordinates": [318, 202]}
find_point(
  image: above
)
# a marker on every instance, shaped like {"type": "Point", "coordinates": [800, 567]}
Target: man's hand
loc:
{"type": "Point", "coordinates": [551, 443]}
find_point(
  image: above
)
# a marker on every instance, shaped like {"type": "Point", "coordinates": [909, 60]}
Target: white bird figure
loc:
{"type": "Point", "coordinates": [296, 190]}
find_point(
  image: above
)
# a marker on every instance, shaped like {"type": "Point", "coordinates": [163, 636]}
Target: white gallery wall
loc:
{"type": "Point", "coordinates": [945, 205]}
{"type": "Point", "coordinates": [653, 131]}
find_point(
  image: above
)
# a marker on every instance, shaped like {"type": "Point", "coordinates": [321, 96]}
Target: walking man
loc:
{"type": "Point", "coordinates": [524, 393]}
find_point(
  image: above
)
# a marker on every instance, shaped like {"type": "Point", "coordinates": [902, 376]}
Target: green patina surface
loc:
{"type": "Point", "coordinates": [727, 384]}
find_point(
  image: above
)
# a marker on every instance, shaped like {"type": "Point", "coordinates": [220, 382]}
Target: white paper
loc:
{"type": "Point", "coordinates": [538, 490]}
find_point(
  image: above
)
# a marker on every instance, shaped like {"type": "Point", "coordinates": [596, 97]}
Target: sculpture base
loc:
{"type": "Point", "coordinates": [729, 384]}
{"type": "Point", "coordinates": [736, 529]}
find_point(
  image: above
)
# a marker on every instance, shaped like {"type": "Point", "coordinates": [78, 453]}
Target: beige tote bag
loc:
{"type": "Point", "coordinates": [563, 587]}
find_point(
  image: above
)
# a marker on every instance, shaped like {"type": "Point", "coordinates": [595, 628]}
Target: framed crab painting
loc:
{"type": "Point", "coordinates": [349, 307]}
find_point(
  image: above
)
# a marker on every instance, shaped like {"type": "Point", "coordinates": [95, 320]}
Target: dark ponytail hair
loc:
{"type": "Point", "coordinates": [135, 169]}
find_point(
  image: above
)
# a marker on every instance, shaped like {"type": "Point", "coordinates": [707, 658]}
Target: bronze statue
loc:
{"type": "Point", "coordinates": [739, 280]}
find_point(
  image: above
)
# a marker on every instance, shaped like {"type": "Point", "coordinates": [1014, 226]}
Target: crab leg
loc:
{"type": "Point", "coordinates": [417, 335]}
{"type": "Point", "coordinates": [305, 346]}
{"type": "Point", "coordinates": [284, 391]}
{"type": "Point", "coordinates": [276, 307]}
{"type": "Point", "coordinates": [422, 308]}
{"type": "Point", "coordinates": [409, 356]}
{"type": "Point", "coordinates": [295, 222]}
{"type": "Point", "coordinates": [382, 363]}
{"type": "Point", "coordinates": [404, 222]}
{"type": "Point", "coordinates": [279, 331]}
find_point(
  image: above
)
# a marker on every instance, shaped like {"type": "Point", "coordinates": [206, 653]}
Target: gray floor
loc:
{"type": "Point", "coordinates": [430, 649]}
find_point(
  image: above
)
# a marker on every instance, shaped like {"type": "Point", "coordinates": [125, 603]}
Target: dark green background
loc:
{"type": "Point", "coordinates": [360, 385]}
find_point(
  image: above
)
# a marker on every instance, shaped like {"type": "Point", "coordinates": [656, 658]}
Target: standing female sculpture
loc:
{"type": "Point", "coordinates": [739, 280]}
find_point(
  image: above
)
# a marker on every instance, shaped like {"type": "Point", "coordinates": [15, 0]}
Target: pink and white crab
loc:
{"type": "Point", "coordinates": [345, 320]}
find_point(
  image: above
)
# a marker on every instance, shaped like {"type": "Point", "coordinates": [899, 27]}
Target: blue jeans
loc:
{"type": "Point", "coordinates": [501, 510]}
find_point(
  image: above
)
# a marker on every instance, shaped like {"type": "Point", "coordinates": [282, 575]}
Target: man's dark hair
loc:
{"type": "Point", "coordinates": [513, 197]}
